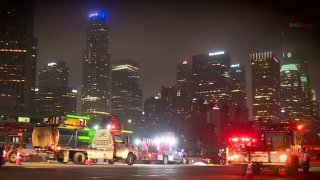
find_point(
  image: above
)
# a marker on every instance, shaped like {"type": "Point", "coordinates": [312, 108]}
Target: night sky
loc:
{"type": "Point", "coordinates": [159, 34]}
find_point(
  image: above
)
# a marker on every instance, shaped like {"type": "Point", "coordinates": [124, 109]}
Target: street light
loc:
{"type": "Point", "coordinates": [129, 121]}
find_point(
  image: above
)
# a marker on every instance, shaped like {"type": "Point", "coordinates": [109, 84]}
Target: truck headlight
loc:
{"type": "Point", "coordinates": [283, 158]}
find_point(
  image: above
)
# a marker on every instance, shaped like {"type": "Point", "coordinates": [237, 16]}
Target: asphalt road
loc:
{"type": "Point", "coordinates": [56, 171]}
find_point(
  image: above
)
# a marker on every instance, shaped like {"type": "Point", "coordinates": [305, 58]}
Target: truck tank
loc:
{"type": "Point", "coordinates": [43, 137]}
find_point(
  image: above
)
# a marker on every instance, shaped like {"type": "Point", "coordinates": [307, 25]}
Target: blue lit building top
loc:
{"type": "Point", "coordinates": [98, 15]}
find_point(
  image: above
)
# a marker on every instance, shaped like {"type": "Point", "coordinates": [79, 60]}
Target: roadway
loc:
{"type": "Point", "coordinates": [57, 171]}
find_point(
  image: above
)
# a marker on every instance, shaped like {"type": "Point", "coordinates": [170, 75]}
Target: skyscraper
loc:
{"type": "Point", "coordinates": [126, 94]}
{"type": "Point", "coordinates": [265, 70]}
{"type": "Point", "coordinates": [291, 93]}
{"type": "Point", "coordinates": [96, 81]}
{"type": "Point", "coordinates": [183, 94]}
{"type": "Point", "coordinates": [314, 105]}
{"type": "Point", "coordinates": [238, 85]}
{"type": "Point", "coordinates": [239, 111]}
{"type": "Point", "coordinates": [53, 97]}
{"type": "Point", "coordinates": [211, 77]}
{"type": "Point", "coordinates": [184, 78]}
{"type": "Point", "coordinates": [18, 54]}
{"type": "Point", "coordinates": [151, 113]}
{"type": "Point", "coordinates": [300, 61]}
{"type": "Point", "coordinates": [55, 74]}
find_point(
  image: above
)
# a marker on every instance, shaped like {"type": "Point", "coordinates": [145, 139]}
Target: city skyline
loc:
{"type": "Point", "coordinates": [159, 36]}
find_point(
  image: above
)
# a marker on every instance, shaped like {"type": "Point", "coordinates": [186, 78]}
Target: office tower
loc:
{"type": "Point", "coordinates": [238, 108]}
{"type": "Point", "coordinates": [300, 60]}
{"type": "Point", "coordinates": [55, 74]}
{"type": "Point", "coordinates": [314, 105]}
{"type": "Point", "coordinates": [54, 97]}
{"type": "Point", "coordinates": [168, 108]}
{"type": "Point", "coordinates": [151, 113]}
{"type": "Point", "coordinates": [126, 95]}
{"type": "Point", "coordinates": [96, 81]}
{"type": "Point", "coordinates": [184, 78]}
{"type": "Point", "coordinates": [18, 54]}
{"type": "Point", "coordinates": [291, 93]}
{"type": "Point", "coordinates": [211, 77]}
{"type": "Point", "coordinates": [265, 86]}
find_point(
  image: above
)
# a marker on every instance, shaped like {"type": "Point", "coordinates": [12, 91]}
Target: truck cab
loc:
{"type": "Point", "coordinates": [276, 149]}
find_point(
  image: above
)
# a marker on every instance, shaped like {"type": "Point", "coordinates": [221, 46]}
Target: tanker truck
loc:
{"type": "Point", "coordinates": [106, 145]}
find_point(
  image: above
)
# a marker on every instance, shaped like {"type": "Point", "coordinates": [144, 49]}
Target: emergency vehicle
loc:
{"type": "Point", "coordinates": [161, 149]}
{"type": "Point", "coordinates": [277, 149]}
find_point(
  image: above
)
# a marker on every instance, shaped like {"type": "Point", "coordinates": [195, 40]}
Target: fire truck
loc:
{"type": "Point", "coordinates": [161, 149]}
{"type": "Point", "coordinates": [276, 149]}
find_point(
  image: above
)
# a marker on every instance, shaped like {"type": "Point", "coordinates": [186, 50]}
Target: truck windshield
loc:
{"type": "Point", "coordinates": [276, 140]}
{"type": "Point", "coordinates": [118, 139]}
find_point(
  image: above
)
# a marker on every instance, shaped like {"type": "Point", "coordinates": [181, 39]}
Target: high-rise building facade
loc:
{"type": "Point", "coordinates": [168, 108]}
{"type": "Point", "coordinates": [238, 85]}
{"type": "Point", "coordinates": [300, 61]}
{"type": "Point", "coordinates": [18, 54]}
{"type": "Point", "coordinates": [238, 111]}
{"type": "Point", "coordinates": [96, 81]}
{"type": "Point", "coordinates": [151, 113]}
{"type": "Point", "coordinates": [314, 105]}
{"type": "Point", "coordinates": [184, 78]}
{"type": "Point", "coordinates": [291, 93]}
{"type": "Point", "coordinates": [55, 74]}
{"type": "Point", "coordinates": [54, 97]}
{"type": "Point", "coordinates": [211, 77]}
{"type": "Point", "coordinates": [265, 70]}
{"type": "Point", "coordinates": [126, 93]}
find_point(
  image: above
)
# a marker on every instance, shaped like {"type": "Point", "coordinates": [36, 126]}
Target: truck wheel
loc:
{"type": "Point", "coordinates": [111, 162]}
{"type": "Point", "coordinates": [13, 157]}
{"type": "Point", "coordinates": [130, 159]}
{"type": "Point", "coordinates": [184, 160]}
{"type": "Point", "coordinates": [79, 158]}
{"type": "Point", "coordinates": [60, 158]}
{"type": "Point", "coordinates": [306, 168]}
{"type": "Point", "coordinates": [255, 168]}
{"type": "Point", "coordinates": [165, 160]}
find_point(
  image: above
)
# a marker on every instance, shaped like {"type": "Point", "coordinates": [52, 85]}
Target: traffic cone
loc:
{"type": "Point", "coordinates": [89, 161]}
{"type": "Point", "coordinates": [18, 160]}
{"type": "Point", "coordinates": [249, 175]}
{"type": "Point", "coordinates": [282, 171]}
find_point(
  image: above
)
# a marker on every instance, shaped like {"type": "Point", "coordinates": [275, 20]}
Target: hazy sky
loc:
{"type": "Point", "coordinates": [159, 34]}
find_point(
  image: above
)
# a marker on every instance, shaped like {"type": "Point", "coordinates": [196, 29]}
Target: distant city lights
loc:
{"type": "Point", "coordinates": [216, 53]}
{"type": "Point", "coordinates": [52, 64]}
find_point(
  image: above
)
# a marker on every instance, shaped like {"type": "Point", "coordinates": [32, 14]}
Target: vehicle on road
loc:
{"type": "Point", "coordinates": [107, 145]}
{"type": "Point", "coordinates": [278, 149]}
{"type": "Point", "coordinates": [2, 156]}
{"type": "Point", "coordinates": [161, 150]}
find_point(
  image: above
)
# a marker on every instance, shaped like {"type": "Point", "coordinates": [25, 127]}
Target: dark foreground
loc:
{"type": "Point", "coordinates": [56, 171]}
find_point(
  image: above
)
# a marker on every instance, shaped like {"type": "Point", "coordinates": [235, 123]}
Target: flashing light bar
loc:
{"type": "Point", "coordinates": [216, 53]}
{"type": "Point", "coordinates": [78, 117]}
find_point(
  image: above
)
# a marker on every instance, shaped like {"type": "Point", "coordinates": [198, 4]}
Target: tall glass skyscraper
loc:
{"type": "Point", "coordinates": [53, 97]}
{"type": "Point", "coordinates": [126, 93]}
{"type": "Point", "coordinates": [299, 60]}
{"type": "Point", "coordinates": [291, 93]}
{"type": "Point", "coordinates": [18, 54]}
{"type": "Point", "coordinates": [96, 81]}
{"type": "Point", "coordinates": [211, 77]}
{"type": "Point", "coordinates": [265, 70]}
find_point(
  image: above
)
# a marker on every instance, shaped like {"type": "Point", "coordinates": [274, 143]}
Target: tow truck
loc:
{"type": "Point", "coordinates": [160, 149]}
{"type": "Point", "coordinates": [277, 149]}
{"type": "Point", "coordinates": [107, 144]}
